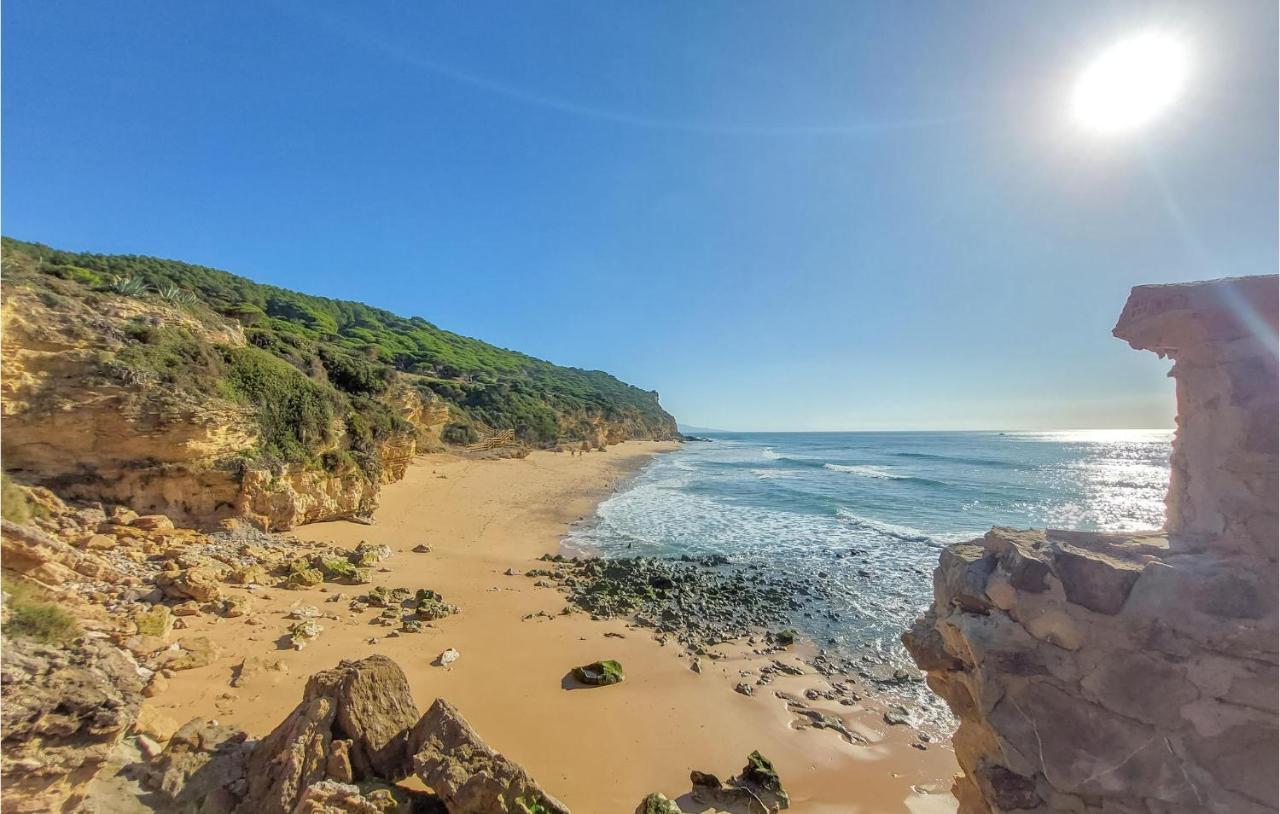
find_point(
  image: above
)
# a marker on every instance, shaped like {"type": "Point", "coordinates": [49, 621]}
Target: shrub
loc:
{"type": "Point", "coordinates": [16, 504]}
{"type": "Point", "coordinates": [29, 617]}
{"type": "Point", "coordinates": [295, 415]}
{"type": "Point", "coordinates": [459, 434]}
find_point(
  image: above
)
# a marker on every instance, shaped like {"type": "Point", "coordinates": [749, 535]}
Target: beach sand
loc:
{"type": "Point", "coordinates": [600, 750]}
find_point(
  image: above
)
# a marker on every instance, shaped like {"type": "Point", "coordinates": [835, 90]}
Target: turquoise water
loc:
{"type": "Point", "coordinates": [865, 514]}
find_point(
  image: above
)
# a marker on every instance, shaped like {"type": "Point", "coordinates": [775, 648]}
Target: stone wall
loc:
{"type": "Point", "coordinates": [1099, 672]}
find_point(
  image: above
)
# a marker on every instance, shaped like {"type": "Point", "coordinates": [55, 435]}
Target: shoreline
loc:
{"type": "Point", "coordinates": [599, 750]}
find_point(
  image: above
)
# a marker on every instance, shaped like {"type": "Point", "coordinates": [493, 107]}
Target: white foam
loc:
{"type": "Point", "coordinates": [865, 471]}
{"type": "Point", "coordinates": [904, 533]}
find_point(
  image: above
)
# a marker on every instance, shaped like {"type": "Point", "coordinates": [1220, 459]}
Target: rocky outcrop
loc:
{"type": "Point", "coordinates": [756, 790]}
{"type": "Point", "coordinates": [469, 776]}
{"type": "Point", "coordinates": [353, 724]}
{"type": "Point", "coordinates": [1099, 672]}
{"type": "Point", "coordinates": [126, 440]}
{"type": "Point", "coordinates": [63, 710]}
{"type": "Point", "coordinates": [354, 736]}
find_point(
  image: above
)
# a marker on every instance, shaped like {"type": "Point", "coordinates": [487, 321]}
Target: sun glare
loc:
{"type": "Point", "coordinates": [1130, 83]}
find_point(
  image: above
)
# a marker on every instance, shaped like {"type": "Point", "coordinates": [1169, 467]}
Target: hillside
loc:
{"type": "Point", "coordinates": [149, 363]}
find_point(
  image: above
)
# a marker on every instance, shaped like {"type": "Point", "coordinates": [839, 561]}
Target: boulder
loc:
{"type": "Point", "coordinates": [200, 584]}
{"type": "Point", "coordinates": [152, 522]}
{"type": "Point", "coordinates": [756, 790]}
{"type": "Point", "coordinates": [62, 710]}
{"type": "Point", "coordinates": [202, 768]}
{"type": "Point", "coordinates": [657, 804]}
{"type": "Point", "coordinates": [600, 673]}
{"type": "Point", "coordinates": [334, 797]}
{"type": "Point", "coordinates": [363, 706]}
{"type": "Point", "coordinates": [469, 776]}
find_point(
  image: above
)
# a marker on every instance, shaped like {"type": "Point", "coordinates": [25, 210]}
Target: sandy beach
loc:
{"type": "Point", "coordinates": [600, 750]}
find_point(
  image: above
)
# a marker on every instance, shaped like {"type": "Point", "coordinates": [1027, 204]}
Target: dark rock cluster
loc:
{"type": "Point", "coordinates": [699, 601]}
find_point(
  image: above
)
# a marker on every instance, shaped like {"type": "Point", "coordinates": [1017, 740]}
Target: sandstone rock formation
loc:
{"type": "Point", "coordinates": [756, 790]}
{"type": "Point", "coordinates": [1134, 672]}
{"type": "Point", "coordinates": [117, 441]}
{"type": "Point", "coordinates": [469, 776]}
{"type": "Point", "coordinates": [354, 736]}
{"type": "Point", "coordinates": [63, 710]}
{"type": "Point", "coordinates": [353, 724]}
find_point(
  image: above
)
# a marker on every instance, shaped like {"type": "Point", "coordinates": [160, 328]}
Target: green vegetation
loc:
{"type": "Point", "coordinates": [319, 373]}
{"type": "Point", "coordinates": [29, 617]}
{"type": "Point", "coordinates": [15, 504]}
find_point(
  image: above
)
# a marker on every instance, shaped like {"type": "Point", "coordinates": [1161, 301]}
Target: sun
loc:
{"type": "Point", "coordinates": [1130, 83]}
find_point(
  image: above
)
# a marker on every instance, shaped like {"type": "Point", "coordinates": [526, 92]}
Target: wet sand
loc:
{"type": "Point", "coordinates": [600, 750]}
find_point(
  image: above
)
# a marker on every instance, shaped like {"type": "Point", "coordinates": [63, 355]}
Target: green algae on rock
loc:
{"type": "Point", "coordinates": [600, 673]}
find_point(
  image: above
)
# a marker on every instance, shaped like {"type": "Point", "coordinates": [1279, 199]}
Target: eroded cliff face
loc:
{"type": "Point", "coordinates": [1134, 672]}
{"type": "Point", "coordinates": [125, 440]}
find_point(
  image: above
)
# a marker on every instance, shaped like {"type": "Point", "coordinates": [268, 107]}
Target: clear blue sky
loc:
{"type": "Point", "coordinates": [782, 216]}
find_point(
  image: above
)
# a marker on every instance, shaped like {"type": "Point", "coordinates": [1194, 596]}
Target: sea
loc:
{"type": "Point", "coordinates": [867, 513]}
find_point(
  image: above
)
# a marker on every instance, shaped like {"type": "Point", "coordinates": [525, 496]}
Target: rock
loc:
{"type": "Point", "coordinates": [196, 651]}
{"type": "Point", "coordinates": [785, 638]}
{"type": "Point", "coordinates": [234, 607]}
{"type": "Point", "coordinates": [431, 606]}
{"type": "Point", "coordinates": [152, 522]}
{"type": "Point", "coordinates": [422, 548]}
{"type": "Point", "coordinates": [157, 621]}
{"type": "Point", "coordinates": [599, 673]}
{"type": "Point", "coordinates": [365, 706]}
{"type": "Point", "coordinates": [447, 657]}
{"type": "Point", "coordinates": [744, 688]}
{"type": "Point", "coordinates": [202, 768]}
{"type": "Point", "coordinates": [253, 574]}
{"type": "Point", "coordinates": [336, 797]}
{"type": "Point", "coordinates": [200, 584]}
{"type": "Point", "coordinates": [155, 686]}
{"type": "Point", "coordinates": [756, 790]}
{"type": "Point", "coordinates": [367, 555]}
{"type": "Point", "coordinates": [302, 632]}
{"type": "Point", "coordinates": [1126, 672]}
{"type": "Point", "coordinates": [340, 569]}
{"type": "Point", "coordinates": [303, 575]}
{"type": "Point", "coordinates": [657, 804]}
{"type": "Point", "coordinates": [470, 777]}
{"type": "Point", "coordinates": [188, 608]}
{"type": "Point", "coordinates": [62, 711]}
{"type": "Point", "coordinates": [154, 723]}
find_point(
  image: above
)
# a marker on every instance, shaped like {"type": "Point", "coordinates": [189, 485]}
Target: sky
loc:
{"type": "Point", "coordinates": [800, 216]}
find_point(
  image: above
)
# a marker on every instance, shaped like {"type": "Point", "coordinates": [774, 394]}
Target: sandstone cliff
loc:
{"type": "Point", "coordinates": [189, 392]}
{"type": "Point", "coordinates": [1100, 672]}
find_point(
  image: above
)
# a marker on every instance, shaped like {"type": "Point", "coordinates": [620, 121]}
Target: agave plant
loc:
{"type": "Point", "coordinates": [174, 294]}
{"type": "Point", "coordinates": [129, 286]}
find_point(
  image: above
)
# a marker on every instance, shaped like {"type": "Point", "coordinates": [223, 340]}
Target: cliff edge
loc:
{"type": "Point", "coordinates": [1100, 672]}
{"type": "Point", "coordinates": [187, 391]}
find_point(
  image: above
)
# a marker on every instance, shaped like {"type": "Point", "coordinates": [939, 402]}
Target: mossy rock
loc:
{"type": "Point", "coordinates": [156, 622]}
{"type": "Point", "coordinates": [336, 568]}
{"type": "Point", "coordinates": [759, 770]}
{"type": "Point", "coordinates": [600, 673]}
{"type": "Point", "coordinates": [384, 597]}
{"type": "Point", "coordinates": [366, 555]}
{"type": "Point", "coordinates": [340, 569]}
{"type": "Point", "coordinates": [658, 804]}
{"type": "Point", "coordinates": [304, 578]}
{"type": "Point", "coordinates": [431, 609]}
